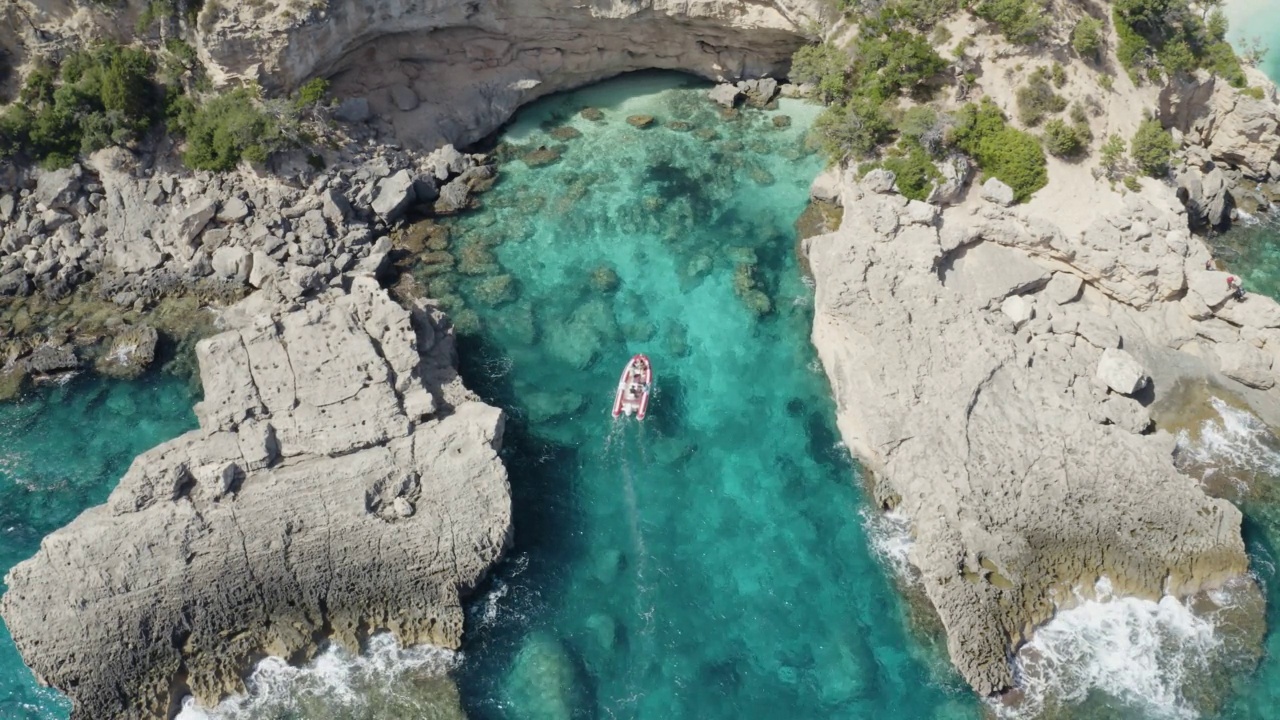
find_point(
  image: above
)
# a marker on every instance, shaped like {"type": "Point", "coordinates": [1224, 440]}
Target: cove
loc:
{"type": "Point", "coordinates": [62, 450]}
{"type": "Point", "coordinates": [712, 561]}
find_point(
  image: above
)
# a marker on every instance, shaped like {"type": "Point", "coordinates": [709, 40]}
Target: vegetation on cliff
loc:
{"type": "Point", "coordinates": [110, 94]}
{"type": "Point", "coordinates": [891, 78]}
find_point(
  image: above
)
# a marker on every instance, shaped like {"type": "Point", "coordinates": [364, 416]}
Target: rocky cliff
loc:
{"type": "Point", "coordinates": [995, 375]}
{"type": "Point", "coordinates": [452, 71]}
{"type": "Point", "coordinates": [342, 481]}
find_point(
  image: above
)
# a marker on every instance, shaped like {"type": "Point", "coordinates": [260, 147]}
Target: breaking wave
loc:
{"type": "Point", "coordinates": [1138, 654]}
{"type": "Point", "coordinates": [1235, 443]}
{"type": "Point", "coordinates": [334, 681]}
{"type": "Point", "coordinates": [890, 536]}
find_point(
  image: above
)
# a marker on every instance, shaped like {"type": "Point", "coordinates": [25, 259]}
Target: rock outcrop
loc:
{"type": "Point", "coordinates": [996, 375]}
{"type": "Point", "coordinates": [342, 481]}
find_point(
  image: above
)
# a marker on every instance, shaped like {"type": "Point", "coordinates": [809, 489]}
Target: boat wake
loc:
{"type": "Point", "coordinates": [336, 683]}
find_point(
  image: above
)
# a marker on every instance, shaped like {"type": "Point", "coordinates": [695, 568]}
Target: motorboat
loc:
{"type": "Point", "coordinates": [633, 388]}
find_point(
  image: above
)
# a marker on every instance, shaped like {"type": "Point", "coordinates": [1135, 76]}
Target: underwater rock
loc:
{"type": "Point", "coordinates": [543, 406]}
{"type": "Point", "coordinates": [782, 121]}
{"type": "Point", "coordinates": [476, 259]}
{"type": "Point", "coordinates": [51, 358]}
{"type": "Point", "coordinates": [565, 133]}
{"type": "Point", "coordinates": [592, 114]}
{"type": "Point", "coordinates": [605, 279]}
{"type": "Point", "coordinates": [761, 176]}
{"type": "Point", "coordinates": [544, 682]}
{"type": "Point", "coordinates": [679, 126]}
{"type": "Point", "coordinates": [542, 156]}
{"type": "Point", "coordinates": [496, 290]}
{"type": "Point", "coordinates": [706, 134]}
{"type": "Point", "coordinates": [131, 353]}
{"type": "Point", "coordinates": [602, 634]}
{"type": "Point", "coordinates": [640, 121]}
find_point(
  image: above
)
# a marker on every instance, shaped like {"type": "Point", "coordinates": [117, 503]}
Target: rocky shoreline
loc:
{"type": "Point", "coordinates": [995, 368]}
{"type": "Point", "coordinates": [326, 495]}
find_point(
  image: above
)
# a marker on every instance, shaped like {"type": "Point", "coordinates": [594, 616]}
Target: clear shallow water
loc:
{"type": "Point", "coordinates": [61, 451]}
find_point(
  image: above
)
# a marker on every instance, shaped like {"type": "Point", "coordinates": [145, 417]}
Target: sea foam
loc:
{"type": "Point", "coordinates": [1137, 653]}
{"type": "Point", "coordinates": [335, 678]}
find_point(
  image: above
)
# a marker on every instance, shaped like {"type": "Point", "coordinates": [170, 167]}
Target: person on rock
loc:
{"type": "Point", "coordinates": [1236, 287]}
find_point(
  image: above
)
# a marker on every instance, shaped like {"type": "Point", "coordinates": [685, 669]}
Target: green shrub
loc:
{"type": "Point", "coordinates": [914, 169]}
{"type": "Point", "coordinates": [1020, 21]}
{"type": "Point", "coordinates": [1170, 37]}
{"type": "Point", "coordinates": [826, 67]}
{"type": "Point", "coordinates": [1065, 141]}
{"type": "Point", "coordinates": [1106, 82]}
{"type": "Point", "coordinates": [1112, 154]}
{"type": "Point", "coordinates": [1010, 155]}
{"type": "Point", "coordinates": [1086, 38]}
{"type": "Point", "coordinates": [1037, 100]}
{"type": "Point", "coordinates": [101, 96]}
{"type": "Point", "coordinates": [311, 93]}
{"type": "Point", "coordinates": [1256, 93]}
{"type": "Point", "coordinates": [1059, 75]}
{"type": "Point", "coordinates": [1152, 148]}
{"type": "Point", "coordinates": [891, 60]}
{"type": "Point", "coordinates": [1132, 183]}
{"type": "Point", "coordinates": [854, 129]}
{"type": "Point", "coordinates": [225, 130]}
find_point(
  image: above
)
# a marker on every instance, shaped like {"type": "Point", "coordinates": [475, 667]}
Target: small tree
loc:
{"type": "Point", "coordinates": [826, 67]}
{"type": "Point", "coordinates": [1112, 155]}
{"type": "Point", "coordinates": [1086, 38]}
{"type": "Point", "coordinates": [1063, 140]}
{"type": "Point", "coordinates": [1152, 148]}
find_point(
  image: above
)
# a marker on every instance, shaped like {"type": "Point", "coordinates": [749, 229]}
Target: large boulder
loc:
{"type": "Point", "coordinates": [725, 95]}
{"type": "Point", "coordinates": [1121, 372]}
{"type": "Point", "coordinates": [395, 195]}
{"type": "Point", "coordinates": [995, 191]}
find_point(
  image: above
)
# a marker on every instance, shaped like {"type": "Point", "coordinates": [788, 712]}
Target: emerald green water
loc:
{"type": "Point", "coordinates": [62, 449]}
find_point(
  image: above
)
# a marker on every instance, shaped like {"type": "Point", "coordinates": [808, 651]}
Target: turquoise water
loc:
{"type": "Point", "coordinates": [720, 559]}
{"type": "Point", "coordinates": [62, 449]}
{"type": "Point", "coordinates": [710, 562]}
{"type": "Point", "coordinates": [1257, 19]}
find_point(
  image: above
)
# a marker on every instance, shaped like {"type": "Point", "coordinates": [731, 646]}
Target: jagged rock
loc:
{"type": "Point", "coordinates": [725, 94]}
{"type": "Point", "coordinates": [454, 197]}
{"type": "Point", "coordinates": [1126, 413]}
{"type": "Point", "coordinates": [50, 359]}
{"type": "Point", "coordinates": [1247, 364]}
{"type": "Point", "coordinates": [58, 188]}
{"type": "Point", "coordinates": [395, 195]}
{"type": "Point", "coordinates": [1254, 311]}
{"type": "Point", "coordinates": [956, 171]}
{"type": "Point", "coordinates": [190, 221]}
{"type": "Point", "coordinates": [997, 192]}
{"type": "Point", "coordinates": [1119, 371]}
{"type": "Point", "coordinates": [880, 180]}
{"type": "Point", "coordinates": [826, 187]}
{"type": "Point", "coordinates": [131, 353]}
{"type": "Point", "coordinates": [262, 268]}
{"type": "Point", "coordinates": [233, 210]}
{"type": "Point", "coordinates": [760, 92]}
{"type": "Point", "coordinates": [15, 283]}
{"type": "Point", "coordinates": [1232, 127]}
{"type": "Point", "coordinates": [232, 262]}
{"type": "Point", "coordinates": [1063, 288]}
{"type": "Point", "coordinates": [298, 509]}
{"type": "Point", "coordinates": [353, 110]}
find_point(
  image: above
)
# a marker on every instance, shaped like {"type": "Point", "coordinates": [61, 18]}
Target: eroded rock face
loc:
{"type": "Point", "coordinates": [342, 481]}
{"type": "Point", "coordinates": [966, 372]}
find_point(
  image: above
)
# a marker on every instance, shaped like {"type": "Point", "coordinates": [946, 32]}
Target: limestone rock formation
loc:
{"type": "Point", "coordinates": [983, 364]}
{"type": "Point", "coordinates": [342, 481]}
